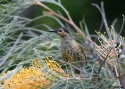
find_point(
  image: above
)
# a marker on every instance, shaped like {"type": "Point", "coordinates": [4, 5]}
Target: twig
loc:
{"type": "Point", "coordinates": [106, 26]}
{"type": "Point", "coordinates": [102, 18]}
{"type": "Point", "coordinates": [74, 67]}
{"type": "Point", "coordinates": [121, 28]}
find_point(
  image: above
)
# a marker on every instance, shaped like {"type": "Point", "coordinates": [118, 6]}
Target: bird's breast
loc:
{"type": "Point", "coordinates": [69, 44]}
{"type": "Point", "coordinates": [68, 48]}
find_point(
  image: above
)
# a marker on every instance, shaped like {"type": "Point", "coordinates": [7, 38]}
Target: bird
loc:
{"type": "Point", "coordinates": [71, 51]}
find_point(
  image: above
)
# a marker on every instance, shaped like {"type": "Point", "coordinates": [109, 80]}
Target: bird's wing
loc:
{"type": "Point", "coordinates": [81, 50]}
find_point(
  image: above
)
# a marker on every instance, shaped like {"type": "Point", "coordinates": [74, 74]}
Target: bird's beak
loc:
{"type": "Point", "coordinates": [55, 31]}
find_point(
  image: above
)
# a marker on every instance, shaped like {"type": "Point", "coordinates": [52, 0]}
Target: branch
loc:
{"type": "Point", "coordinates": [69, 20]}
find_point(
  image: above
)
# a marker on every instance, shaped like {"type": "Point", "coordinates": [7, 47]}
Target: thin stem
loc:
{"type": "Point", "coordinates": [121, 27]}
{"type": "Point", "coordinates": [110, 38]}
{"type": "Point", "coordinates": [43, 5]}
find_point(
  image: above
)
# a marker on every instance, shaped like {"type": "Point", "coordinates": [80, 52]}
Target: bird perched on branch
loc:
{"type": "Point", "coordinates": [72, 51]}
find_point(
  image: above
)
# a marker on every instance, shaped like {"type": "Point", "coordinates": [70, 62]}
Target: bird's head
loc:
{"type": "Point", "coordinates": [62, 31]}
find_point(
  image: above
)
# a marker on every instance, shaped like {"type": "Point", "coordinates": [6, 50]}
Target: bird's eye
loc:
{"type": "Point", "coordinates": [60, 30]}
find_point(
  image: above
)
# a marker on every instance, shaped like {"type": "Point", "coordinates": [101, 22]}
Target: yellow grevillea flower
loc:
{"type": "Point", "coordinates": [53, 65]}
{"type": "Point", "coordinates": [33, 77]}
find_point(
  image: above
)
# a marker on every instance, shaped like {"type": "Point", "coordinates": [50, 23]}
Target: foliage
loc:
{"type": "Point", "coordinates": [21, 44]}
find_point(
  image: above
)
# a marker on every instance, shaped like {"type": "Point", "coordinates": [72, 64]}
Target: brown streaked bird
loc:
{"type": "Point", "coordinates": [71, 50]}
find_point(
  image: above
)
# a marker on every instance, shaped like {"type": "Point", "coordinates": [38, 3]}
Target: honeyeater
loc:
{"type": "Point", "coordinates": [71, 50]}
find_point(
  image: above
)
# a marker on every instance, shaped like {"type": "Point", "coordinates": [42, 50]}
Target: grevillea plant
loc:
{"type": "Point", "coordinates": [30, 57]}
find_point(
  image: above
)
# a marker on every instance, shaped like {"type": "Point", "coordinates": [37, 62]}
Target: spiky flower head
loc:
{"type": "Point", "coordinates": [110, 48]}
{"type": "Point", "coordinates": [34, 77]}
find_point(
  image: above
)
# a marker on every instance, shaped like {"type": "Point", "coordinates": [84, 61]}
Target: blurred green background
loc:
{"type": "Point", "coordinates": [79, 9]}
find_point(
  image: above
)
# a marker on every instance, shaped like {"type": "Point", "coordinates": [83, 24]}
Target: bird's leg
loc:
{"type": "Point", "coordinates": [81, 73]}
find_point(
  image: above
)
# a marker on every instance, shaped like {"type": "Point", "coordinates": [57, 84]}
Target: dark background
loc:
{"type": "Point", "coordinates": [79, 8]}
